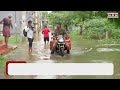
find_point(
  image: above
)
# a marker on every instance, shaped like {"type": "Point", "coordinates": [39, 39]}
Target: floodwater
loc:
{"type": "Point", "coordinates": [83, 51]}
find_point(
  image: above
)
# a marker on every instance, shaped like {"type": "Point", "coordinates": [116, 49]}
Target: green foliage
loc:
{"type": "Point", "coordinates": [70, 17]}
{"type": "Point", "coordinates": [95, 22]}
{"type": "Point", "coordinates": [1, 58]}
{"type": "Point", "coordinates": [115, 34]}
{"type": "Point", "coordinates": [64, 17]}
{"type": "Point", "coordinates": [95, 28]}
{"type": "Point", "coordinates": [2, 63]}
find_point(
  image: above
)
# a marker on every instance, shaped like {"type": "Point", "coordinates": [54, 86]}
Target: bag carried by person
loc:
{"type": "Point", "coordinates": [24, 33]}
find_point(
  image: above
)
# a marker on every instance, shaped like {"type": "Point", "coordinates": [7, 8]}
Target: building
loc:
{"type": "Point", "coordinates": [16, 17]}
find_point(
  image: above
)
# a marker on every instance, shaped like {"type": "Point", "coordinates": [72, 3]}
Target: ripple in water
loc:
{"type": "Point", "coordinates": [107, 49]}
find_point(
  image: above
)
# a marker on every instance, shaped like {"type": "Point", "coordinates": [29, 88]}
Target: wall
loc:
{"type": "Point", "coordinates": [18, 19]}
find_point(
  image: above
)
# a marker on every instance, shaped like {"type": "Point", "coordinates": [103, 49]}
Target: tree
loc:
{"type": "Point", "coordinates": [80, 17]}
{"type": "Point", "coordinates": [68, 18]}
{"type": "Point", "coordinates": [65, 17]}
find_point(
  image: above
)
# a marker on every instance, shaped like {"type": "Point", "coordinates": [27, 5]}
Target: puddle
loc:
{"type": "Point", "coordinates": [107, 49]}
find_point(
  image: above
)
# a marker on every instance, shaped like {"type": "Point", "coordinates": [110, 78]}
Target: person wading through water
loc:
{"type": "Point", "coordinates": [30, 30]}
{"type": "Point", "coordinates": [7, 23]}
{"type": "Point", "coordinates": [45, 32]}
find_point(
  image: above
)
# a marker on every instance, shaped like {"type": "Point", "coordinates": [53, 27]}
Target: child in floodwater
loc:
{"type": "Point", "coordinates": [45, 32]}
{"type": "Point", "coordinates": [30, 30]}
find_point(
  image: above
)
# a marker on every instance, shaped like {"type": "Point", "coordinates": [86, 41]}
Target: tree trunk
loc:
{"type": "Point", "coordinates": [23, 24]}
{"type": "Point", "coordinates": [81, 26]}
{"type": "Point", "coordinates": [36, 26]}
{"type": "Point", "coordinates": [81, 29]}
{"type": "Point", "coordinates": [106, 35]}
{"type": "Point", "coordinates": [66, 27]}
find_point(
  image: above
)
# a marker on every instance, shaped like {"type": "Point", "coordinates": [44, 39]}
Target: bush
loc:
{"type": "Point", "coordinates": [115, 33]}
{"type": "Point", "coordinates": [2, 63]}
{"type": "Point", "coordinates": [95, 28]}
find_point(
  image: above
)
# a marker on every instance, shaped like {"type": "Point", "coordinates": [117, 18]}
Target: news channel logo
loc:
{"type": "Point", "coordinates": [112, 15]}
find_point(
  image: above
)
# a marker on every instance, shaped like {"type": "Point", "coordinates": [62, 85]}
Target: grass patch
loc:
{"type": "Point", "coordinates": [2, 63]}
{"type": "Point", "coordinates": [13, 39]}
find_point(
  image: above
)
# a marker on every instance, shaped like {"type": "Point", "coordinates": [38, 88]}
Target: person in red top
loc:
{"type": "Point", "coordinates": [45, 32]}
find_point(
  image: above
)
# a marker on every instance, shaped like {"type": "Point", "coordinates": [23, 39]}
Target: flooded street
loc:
{"type": "Point", "coordinates": [94, 35]}
{"type": "Point", "coordinates": [82, 52]}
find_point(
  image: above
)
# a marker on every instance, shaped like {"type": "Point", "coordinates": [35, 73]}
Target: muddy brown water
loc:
{"type": "Point", "coordinates": [81, 52]}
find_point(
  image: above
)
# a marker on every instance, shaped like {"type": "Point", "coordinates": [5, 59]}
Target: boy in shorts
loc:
{"type": "Point", "coordinates": [45, 32]}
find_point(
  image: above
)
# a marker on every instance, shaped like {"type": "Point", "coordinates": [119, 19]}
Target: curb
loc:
{"type": "Point", "coordinates": [5, 51]}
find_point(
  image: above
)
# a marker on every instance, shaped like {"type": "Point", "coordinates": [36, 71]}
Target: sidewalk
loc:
{"type": "Point", "coordinates": [4, 49]}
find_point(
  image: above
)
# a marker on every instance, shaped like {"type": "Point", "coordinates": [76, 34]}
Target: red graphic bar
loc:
{"type": "Point", "coordinates": [12, 62]}
{"type": "Point", "coordinates": [112, 14]}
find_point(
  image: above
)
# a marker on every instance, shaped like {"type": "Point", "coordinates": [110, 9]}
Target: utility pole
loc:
{"type": "Point", "coordinates": [38, 21]}
{"type": "Point", "coordinates": [15, 25]}
{"type": "Point", "coordinates": [23, 24]}
{"type": "Point", "coordinates": [41, 19]}
{"type": "Point", "coordinates": [35, 17]}
{"type": "Point", "coordinates": [39, 28]}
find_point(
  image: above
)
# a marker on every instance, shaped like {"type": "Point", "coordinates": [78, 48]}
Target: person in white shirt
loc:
{"type": "Point", "coordinates": [30, 30]}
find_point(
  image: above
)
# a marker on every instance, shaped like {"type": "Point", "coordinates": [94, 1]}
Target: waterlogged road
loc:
{"type": "Point", "coordinates": [82, 52]}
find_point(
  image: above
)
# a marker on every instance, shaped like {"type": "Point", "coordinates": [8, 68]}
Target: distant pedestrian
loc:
{"type": "Point", "coordinates": [30, 30]}
{"type": "Point", "coordinates": [7, 23]}
{"type": "Point", "coordinates": [45, 32]}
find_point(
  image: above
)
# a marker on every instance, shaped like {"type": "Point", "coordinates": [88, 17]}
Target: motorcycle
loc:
{"type": "Point", "coordinates": [60, 46]}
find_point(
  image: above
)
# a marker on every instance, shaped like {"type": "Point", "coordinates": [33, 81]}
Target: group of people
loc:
{"type": "Point", "coordinates": [7, 25]}
{"type": "Point", "coordinates": [30, 34]}
{"type": "Point", "coordinates": [45, 31]}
